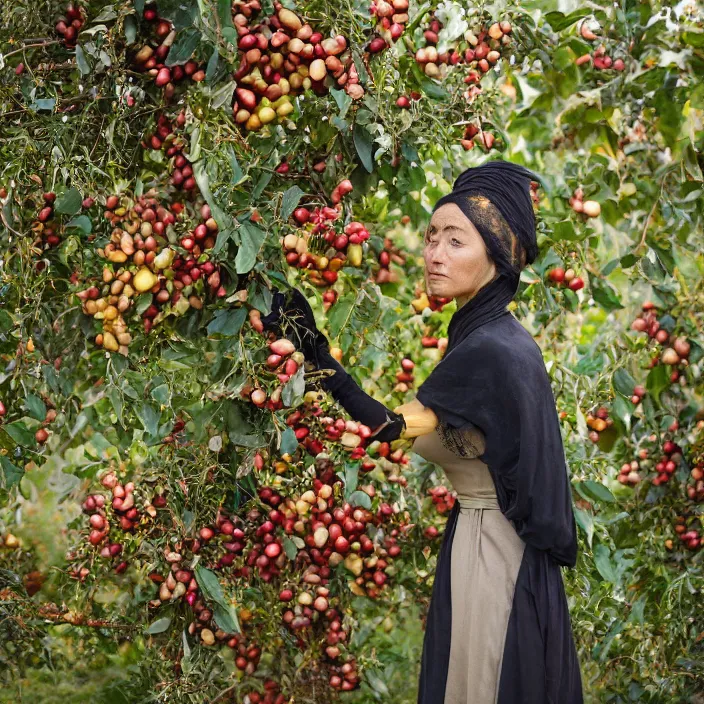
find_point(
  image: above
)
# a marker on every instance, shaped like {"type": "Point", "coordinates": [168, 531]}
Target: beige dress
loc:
{"type": "Point", "coordinates": [485, 559]}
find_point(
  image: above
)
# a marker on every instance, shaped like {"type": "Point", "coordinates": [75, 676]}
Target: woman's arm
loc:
{"type": "Point", "coordinates": [419, 419]}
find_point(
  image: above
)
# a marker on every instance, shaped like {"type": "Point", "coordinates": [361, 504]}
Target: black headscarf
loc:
{"type": "Point", "coordinates": [493, 376]}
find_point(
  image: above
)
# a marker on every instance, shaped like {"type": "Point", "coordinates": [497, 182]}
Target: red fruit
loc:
{"type": "Point", "coordinates": [301, 215]}
{"type": "Point", "coordinates": [3, 410]}
{"type": "Point", "coordinates": [206, 533]}
{"type": "Point", "coordinates": [557, 275]}
{"type": "Point", "coordinates": [163, 77]}
{"type": "Point", "coordinates": [576, 283]}
{"type": "Point", "coordinates": [41, 436]}
{"type": "Point", "coordinates": [272, 550]}
{"type": "Point", "coordinates": [285, 595]}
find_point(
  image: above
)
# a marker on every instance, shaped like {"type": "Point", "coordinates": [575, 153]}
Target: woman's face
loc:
{"type": "Point", "coordinates": [457, 263]}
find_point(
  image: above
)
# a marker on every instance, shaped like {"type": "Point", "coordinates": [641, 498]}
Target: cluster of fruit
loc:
{"type": "Point", "coordinates": [590, 208]}
{"type": "Point", "coordinates": [443, 499]}
{"type": "Point", "coordinates": [125, 514]}
{"type": "Point", "coordinates": [598, 422]}
{"type": "Point", "coordinates": [150, 59]}
{"type": "Point", "coordinates": [283, 361]}
{"type": "Point", "coordinates": [482, 52]}
{"type": "Point", "coordinates": [179, 583]}
{"type": "Point", "coordinates": [696, 491]}
{"type": "Point", "coordinates": [321, 251]}
{"type": "Point", "coordinates": [486, 139]}
{"type": "Point", "coordinates": [45, 226]}
{"type": "Point", "coordinates": [558, 275]}
{"type": "Point", "coordinates": [404, 377]}
{"type": "Point", "coordinates": [599, 58]}
{"type": "Point", "coordinates": [272, 695]}
{"type": "Point", "coordinates": [390, 253]}
{"type": "Point", "coordinates": [140, 242]}
{"type": "Point", "coordinates": [391, 20]}
{"type": "Point", "coordinates": [675, 355]}
{"type": "Point", "coordinates": [628, 474]}
{"type": "Point", "coordinates": [687, 533]}
{"type": "Point", "coordinates": [282, 56]}
{"type": "Point", "coordinates": [69, 25]}
{"type": "Point", "coordinates": [167, 140]}
{"type": "Point", "coordinates": [667, 464]}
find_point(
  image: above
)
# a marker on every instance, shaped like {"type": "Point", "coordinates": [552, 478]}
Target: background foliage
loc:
{"type": "Point", "coordinates": [170, 410]}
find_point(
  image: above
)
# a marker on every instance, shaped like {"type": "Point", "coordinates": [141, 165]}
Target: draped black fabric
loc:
{"type": "Point", "coordinates": [493, 377]}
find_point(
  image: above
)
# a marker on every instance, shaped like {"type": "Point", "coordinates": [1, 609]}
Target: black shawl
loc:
{"type": "Point", "coordinates": [493, 377]}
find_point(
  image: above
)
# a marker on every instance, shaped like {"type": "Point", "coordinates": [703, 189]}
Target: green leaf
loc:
{"type": "Point", "coordinates": [81, 61]}
{"type": "Point", "coordinates": [224, 613]}
{"type": "Point", "coordinates": [360, 498]}
{"type": "Point", "coordinates": [130, 29]}
{"type": "Point", "coordinates": [69, 202]}
{"type": "Point", "coordinates": [183, 47]}
{"type": "Point", "coordinates": [210, 584]}
{"type": "Point", "coordinates": [428, 86]}
{"type": "Point", "coordinates": [351, 479]}
{"type": "Point", "coordinates": [559, 21]}
{"type": "Point", "coordinates": [19, 433]}
{"type": "Point", "coordinates": [605, 294]}
{"type": "Point", "coordinates": [341, 313]}
{"type": "Point", "coordinates": [564, 230]}
{"type": "Point", "coordinates": [82, 222]}
{"type": "Point", "coordinates": [227, 322]}
{"type": "Point", "coordinates": [603, 562]}
{"type": "Point", "coordinates": [597, 491]}
{"type": "Point", "coordinates": [251, 240]}
{"type": "Point", "coordinates": [226, 618]}
{"type": "Point", "coordinates": [11, 474]}
{"type": "Point", "coordinates": [342, 99]}
{"type": "Point", "coordinates": [36, 407]}
{"type": "Point", "coordinates": [212, 66]}
{"type": "Point", "coordinates": [656, 382]}
{"type": "Point", "coordinates": [5, 321]}
{"type": "Point", "coordinates": [585, 520]}
{"type": "Point", "coordinates": [290, 201]}
{"type": "Point", "coordinates": [159, 626]}
{"type": "Point", "coordinates": [623, 409]}
{"type": "Point", "coordinates": [149, 417]}
{"type": "Point", "coordinates": [623, 382]}
{"type": "Point", "coordinates": [364, 145]}
{"type": "Point", "coordinates": [294, 389]}
{"type": "Point", "coordinates": [290, 548]}
{"type": "Point", "coordinates": [289, 442]}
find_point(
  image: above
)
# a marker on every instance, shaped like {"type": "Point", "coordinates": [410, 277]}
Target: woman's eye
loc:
{"type": "Point", "coordinates": [454, 239]}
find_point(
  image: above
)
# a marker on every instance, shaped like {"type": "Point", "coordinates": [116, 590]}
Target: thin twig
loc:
{"type": "Point", "coordinates": [31, 46]}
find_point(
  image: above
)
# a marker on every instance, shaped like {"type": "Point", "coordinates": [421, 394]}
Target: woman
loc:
{"type": "Point", "coordinates": [498, 628]}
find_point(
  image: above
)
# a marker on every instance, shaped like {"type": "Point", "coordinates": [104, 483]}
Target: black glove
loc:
{"type": "Point", "coordinates": [303, 332]}
{"type": "Point", "coordinates": [294, 318]}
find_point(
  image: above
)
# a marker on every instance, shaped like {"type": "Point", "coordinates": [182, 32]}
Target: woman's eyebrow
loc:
{"type": "Point", "coordinates": [432, 228]}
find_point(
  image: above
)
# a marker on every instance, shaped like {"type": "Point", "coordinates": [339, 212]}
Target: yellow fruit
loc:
{"type": "Point", "coordinates": [354, 254]}
{"type": "Point", "coordinates": [318, 70]}
{"type": "Point", "coordinates": [109, 342]}
{"type": "Point", "coordinates": [266, 115]}
{"type": "Point", "coordinates": [144, 280]}
{"type": "Point", "coordinates": [336, 353]}
{"type": "Point", "coordinates": [421, 303]}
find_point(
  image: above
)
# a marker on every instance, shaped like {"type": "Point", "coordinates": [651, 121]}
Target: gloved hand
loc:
{"type": "Point", "coordinates": [295, 319]}
{"type": "Point", "coordinates": [298, 321]}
